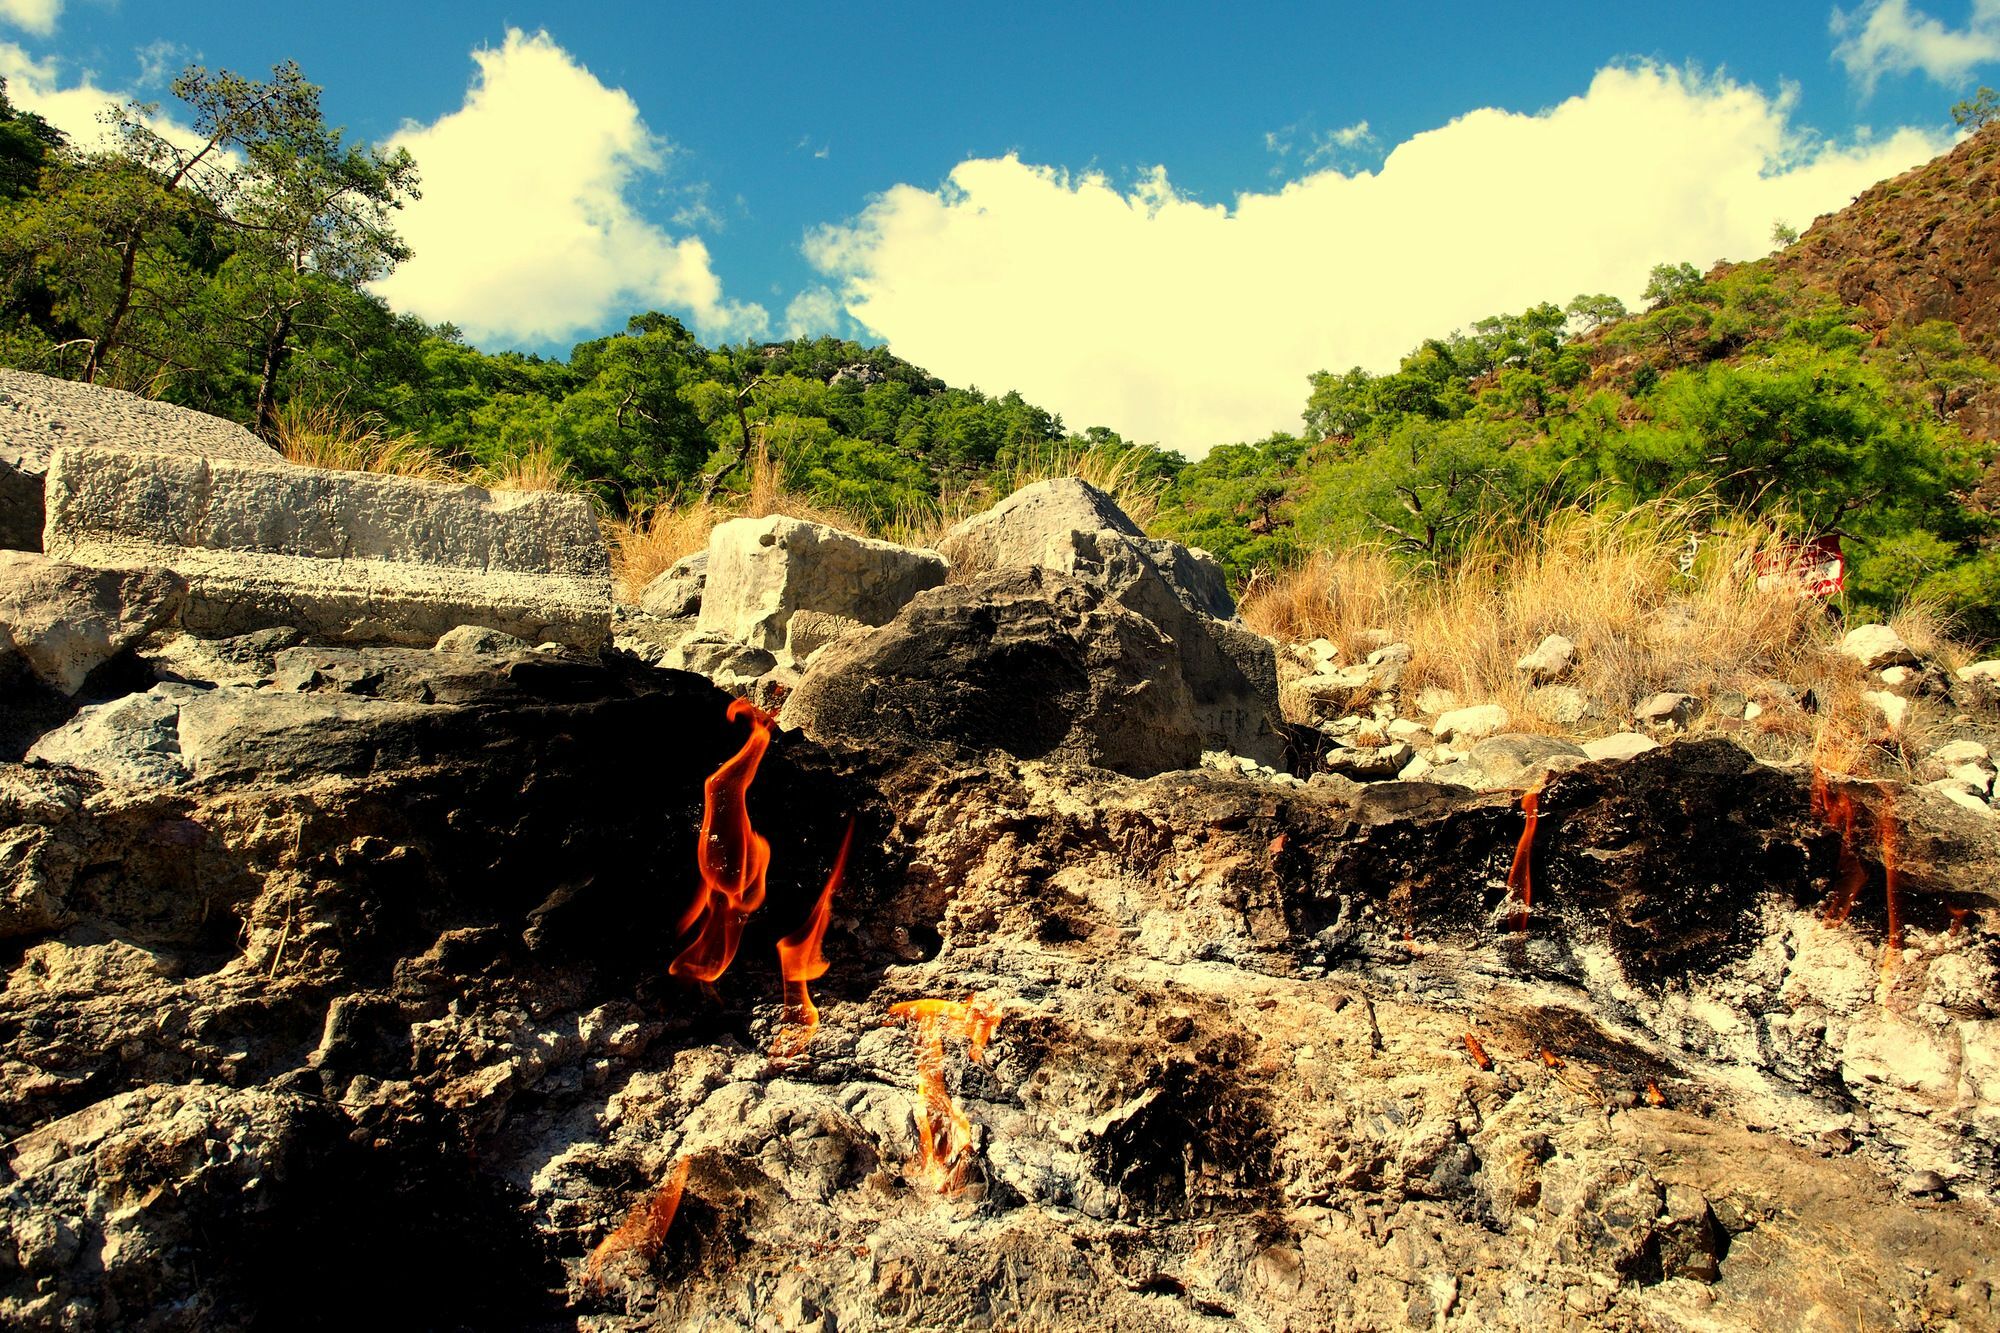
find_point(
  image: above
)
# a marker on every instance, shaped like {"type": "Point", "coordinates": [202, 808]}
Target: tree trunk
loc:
{"type": "Point", "coordinates": [275, 347]}
{"type": "Point", "coordinates": [101, 348]}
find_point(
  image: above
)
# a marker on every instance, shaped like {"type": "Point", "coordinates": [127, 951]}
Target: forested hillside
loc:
{"type": "Point", "coordinates": [1752, 385]}
{"type": "Point", "coordinates": [231, 274]}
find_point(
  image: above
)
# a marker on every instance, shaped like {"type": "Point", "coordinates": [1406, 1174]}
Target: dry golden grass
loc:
{"type": "Point", "coordinates": [1611, 583]}
{"type": "Point", "coordinates": [322, 435]}
{"type": "Point", "coordinates": [537, 468]}
{"type": "Point", "coordinates": [647, 544]}
{"type": "Point", "coordinates": [1112, 470]}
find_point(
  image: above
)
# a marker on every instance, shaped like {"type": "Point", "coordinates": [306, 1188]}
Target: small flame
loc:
{"type": "Point", "coordinates": [1836, 809]}
{"type": "Point", "coordinates": [1520, 885]}
{"type": "Point", "coordinates": [1551, 1059]}
{"type": "Point", "coordinates": [1654, 1097]}
{"type": "Point", "coordinates": [943, 1132]}
{"type": "Point", "coordinates": [1892, 947]}
{"type": "Point", "coordinates": [1477, 1052]}
{"type": "Point", "coordinates": [644, 1228]}
{"type": "Point", "coordinates": [1957, 920]}
{"type": "Point", "coordinates": [731, 856]}
{"type": "Point", "coordinates": [800, 960]}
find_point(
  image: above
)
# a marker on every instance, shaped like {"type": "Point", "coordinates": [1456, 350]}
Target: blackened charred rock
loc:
{"type": "Point", "coordinates": [1024, 661]}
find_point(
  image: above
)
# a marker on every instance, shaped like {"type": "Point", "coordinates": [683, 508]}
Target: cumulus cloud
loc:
{"type": "Point", "coordinates": [37, 16]}
{"type": "Point", "coordinates": [813, 312]}
{"type": "Point", "coordinates": [1193, 324]}
{"type": "Point", "coordinates": [528, 229]}
{"type": "Point", "coordinates": [1888, 37]}
{"type": "Point", "coordinates": [37, 86]}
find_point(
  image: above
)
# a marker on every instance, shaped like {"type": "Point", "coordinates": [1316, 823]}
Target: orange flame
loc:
{"type": "Point", "coordinates": [1551, 1059]}
{"type": "Point", "coordinates": [1654, 1097]}
{"type": "Point", "coordinates": [800, 959]}
{"type": "Point", "coordinates": [1957, 920]}
{"type": "Point", "coordinates": [1520, 886]}
{"type": "Point", "coordinates": [644, 1228]}
{"type": "Point", "coordinates": [1892, 947]}
{"type": "Point", "coordinates": [1477, 1052]}
{"type": "Point", "coordinates": [731, 856]}
{"type": "Point", "coordinates": [1836, 809]}
{"type": "Point", "coordinates": [943, 1132]}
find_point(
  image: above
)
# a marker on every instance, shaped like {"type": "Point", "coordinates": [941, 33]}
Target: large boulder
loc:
{"type": "Point", "coordinates": [343, 556]}
{"type": "Point", "coordinates": [1037, 524]}
{"type": "Point", "coordinates": [1025, 661]}
{"type": "Point", "coordinates": [39, 415]}
{"type": "Point", "coordinates": [1070, 527]}
{"type": "Point", "coordinates": [63, 621]}
{"type": "Point", "coordinates": [762, 570]}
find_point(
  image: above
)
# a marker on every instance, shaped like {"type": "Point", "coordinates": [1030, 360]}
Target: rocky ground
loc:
{"type": "Point", "coordinates": [349, 984]}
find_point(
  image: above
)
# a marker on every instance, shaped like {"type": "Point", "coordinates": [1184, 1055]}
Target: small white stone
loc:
{"type": "Point", "coordinates": [1471, 724]}
{"type": "Point", "coordinates": [1752, 711]}
{"type": "Point", "coordinates": [1621, 746]}
{"type": "Point", "coordinates": [1894, 708]}
{"type": "Point", "coordinates": [1876, 646]}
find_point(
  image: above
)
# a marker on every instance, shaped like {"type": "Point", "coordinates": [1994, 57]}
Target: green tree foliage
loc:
{"type": "Point", "coordinates": [1977, 111]}
{"type": "Point", "coordinates": [1765, 395]}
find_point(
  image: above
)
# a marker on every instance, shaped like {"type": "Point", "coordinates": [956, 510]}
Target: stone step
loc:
{"type": "Point", "coordinates": [344, 556]}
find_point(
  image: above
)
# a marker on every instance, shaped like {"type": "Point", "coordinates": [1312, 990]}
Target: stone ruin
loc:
{"type": "Point", "coordinates": [356, 981]}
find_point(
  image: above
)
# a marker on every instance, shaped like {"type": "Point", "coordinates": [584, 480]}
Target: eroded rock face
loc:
{"type": "Point", "coordinates": [343, 556]}
{"type": "Point", "coordinates": [64, 621]}
{"type": "Point", "coordinates": [761, 571]}
{"type": "Point", "coordinates": [1025, 661]}
{"type": "Point", "coordinates": [386, 977]}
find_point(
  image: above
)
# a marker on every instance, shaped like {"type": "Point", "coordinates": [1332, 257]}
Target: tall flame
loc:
{"type": "Point", "coordinates": [643, 1229]}
{"type": "Point", "coordinates": [1835, 807]}
{"type": "Point", "coordinates": [800, 959]}
{"type": "Point", "coordinates": [943, 1132]}
{"type": "Point", "coordinates": [731, 856]}
{"type": "Point", "coordinates": [1520, 883]}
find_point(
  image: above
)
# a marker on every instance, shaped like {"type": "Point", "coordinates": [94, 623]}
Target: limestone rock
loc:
{"type": "Point", "coordinates": [762, 570]}
{"type": "Point", "coordinates": [478, 639]}
{"type": "Point", "coordinates": [813, 630]}
{"type": "Point", "coordinates": [1035, 525]}
{"type": "Point", "coordinates": [1877, 646]}
{"type": "Point", "coordinates": [342, 556]}
{"type": "Point", "coordinates": [1564, 705]}
{"type": "Point", "coordinates": [1369, 764]}
{"type": "Point", "coordinates": [1624, 745]}
{"type": "Point", "coordinates": [1894, 709]}
{"type": "Point", "coordinates": [39, 415]}
{"type": "Point", "coordinates": [1963, 794]}
{"type": "Point", "coordinates": [65, 620]}
{"type": "Point", "coordinates": [1230, 671]}
{"type": "Point", "coordinates": [1961, 752]}
{"type": "Point", "coordinates": [1513, 760]}
{"type": "Point", "coordinates": [677, 592]}
{"type": "Point", "coordinates": [1470, 724]}
{"type": "Point", "coordinates": [1024, 661]}
{"type": "Point", "coordinates": [1665, 709]}
{"type": "Point", "coordinates": [132, 741]}
{"type": "Point", "coordinates": [1986, 672]}
{"type": "Point", "coordinates": [1550, 660]}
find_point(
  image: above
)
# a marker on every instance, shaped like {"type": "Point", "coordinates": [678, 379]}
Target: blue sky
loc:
{"type": "Point", "coordinates": [1081, 202]}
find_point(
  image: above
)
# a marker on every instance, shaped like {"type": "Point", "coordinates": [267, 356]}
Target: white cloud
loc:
{"type": "Point", "coordinates": [1888, 37]}
{"type": "Point", "coordinates": [527, 230]}
{"type": "Point", "coordinates": [1193, 324]}
{"type": "Point", "coordinates": [37, 16]}
{"type": "Point", "coordinates": [813, 312]}
{"type": "Point", "coordinates": [36, 85]}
